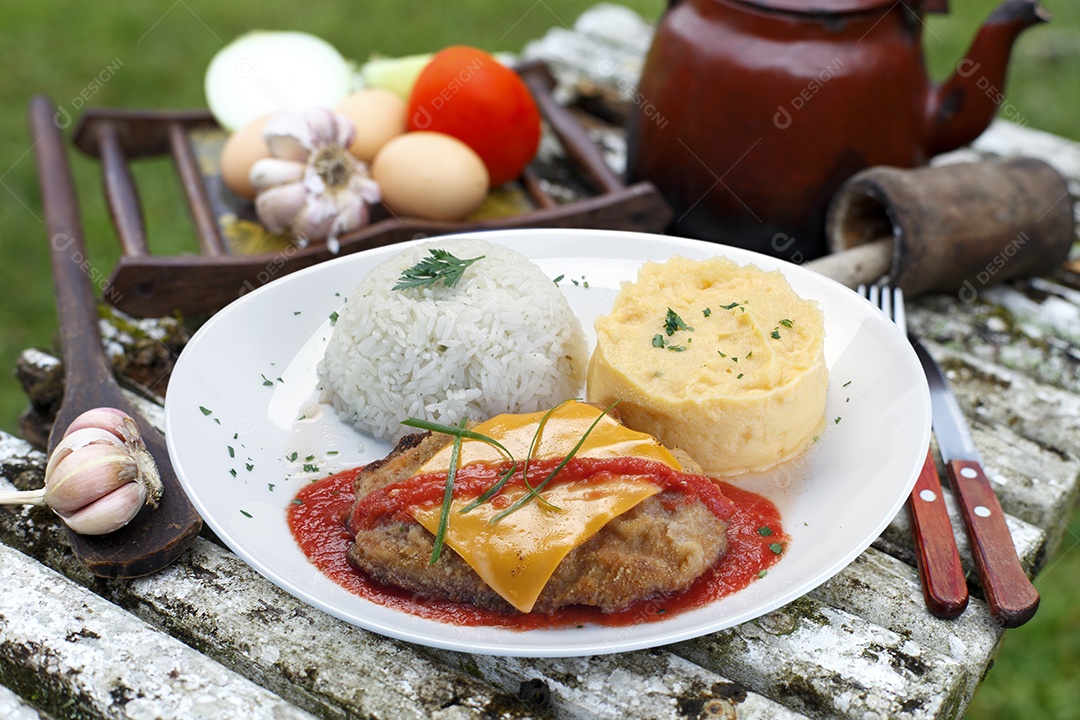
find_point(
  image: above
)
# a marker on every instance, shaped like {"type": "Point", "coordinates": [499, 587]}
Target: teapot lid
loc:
{"type": "Point", "coordinates": [819, 7]}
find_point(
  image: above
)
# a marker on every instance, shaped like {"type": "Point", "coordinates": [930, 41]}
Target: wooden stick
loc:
{"type": "Point", "coordinates": [121, 194]}
{"type": "Point", "coordinates": [862, 264]}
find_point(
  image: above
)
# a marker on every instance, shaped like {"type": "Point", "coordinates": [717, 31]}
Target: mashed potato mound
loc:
{"type": "Point", "coordinates": [723, 361]}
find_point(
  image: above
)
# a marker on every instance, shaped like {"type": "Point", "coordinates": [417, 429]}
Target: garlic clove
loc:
{"type": "Point", "coordinates": [106, 418]}
{"type": "Point", "coordinates": [364, 186]}
{"type": "Point", "coordinates": [322, 127]}
{"type": "Point", "coordinates": [278, 206]}
{"type": "Point", "coordinates": [288, 137]}
{"type": "Point", "coordinates": [77, 439]}
{"type": "Point", "coordinates": [286, 147]}
{"type": "Point", "coordinates": [346, 131]}
{"type": "Point", "coordinates": [352, 215]}
{"type": "Point", "coordinates": [269, 172]}
{"type": "Point", "coordinates": [317, 216]}
{"type": "Point", "coordinates": [87, 474]}
{"type": "Point", "coordinates": [108, 513]}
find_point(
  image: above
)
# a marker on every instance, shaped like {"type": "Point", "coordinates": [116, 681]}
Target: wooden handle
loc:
{"type": "Point", "coordinates": [120, 193]}
{"type": "Point", "coordinates": [1012, 598]}
{"type": "Point", "coordinates": [155, 537]}
{"type": "Point", "coordinates": [858, 265]}
{"type": "Point", "coordinates": [210, 240]}
{"type": "Point", "coordinates": [71, 268]}
{"type": "Point", "coordinates": [940, 571]}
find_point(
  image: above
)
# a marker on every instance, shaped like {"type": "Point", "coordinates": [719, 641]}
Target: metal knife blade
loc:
{"type": "Point", "coordinates": [1011, 597]}
{"type": "Point", "coordinates": [950, 427]}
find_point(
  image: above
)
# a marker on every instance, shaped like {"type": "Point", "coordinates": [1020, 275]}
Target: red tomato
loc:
{"type": "Point", "coordinates": [466, 93]}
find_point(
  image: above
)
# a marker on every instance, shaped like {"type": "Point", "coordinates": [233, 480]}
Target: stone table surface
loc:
{"type": "Point", "coordinates": [209, 637]}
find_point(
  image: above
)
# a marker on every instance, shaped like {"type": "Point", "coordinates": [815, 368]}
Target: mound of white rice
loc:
{"type": "Point", "coordinates": [502, 339]}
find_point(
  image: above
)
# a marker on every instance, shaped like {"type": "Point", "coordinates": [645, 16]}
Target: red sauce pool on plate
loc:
{"type": "Point", "coordinates": [317, 521]}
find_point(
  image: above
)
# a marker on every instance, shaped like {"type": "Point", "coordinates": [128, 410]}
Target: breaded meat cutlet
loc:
{"type": "Point", "coordinates": [658, 547]}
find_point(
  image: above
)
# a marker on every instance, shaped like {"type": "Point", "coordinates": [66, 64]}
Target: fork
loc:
{"type": "Point", "coordinates": [940, 572]}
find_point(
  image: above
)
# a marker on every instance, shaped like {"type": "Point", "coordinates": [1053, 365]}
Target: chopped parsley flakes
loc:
{"type": "Point", "coordinates": [674, 323]}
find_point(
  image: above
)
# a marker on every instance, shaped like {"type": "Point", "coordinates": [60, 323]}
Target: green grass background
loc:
{"type": "Point", "coordinates": [159, 50]}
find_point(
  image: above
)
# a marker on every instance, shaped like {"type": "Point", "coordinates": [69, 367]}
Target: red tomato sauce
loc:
{"type": "Point", "coordinates": [321, 512]}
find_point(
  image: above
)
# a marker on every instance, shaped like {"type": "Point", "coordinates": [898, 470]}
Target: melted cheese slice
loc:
{"type": "Point", "coordinates": [562, 431]}
{"type": "Point", "coordinates": [517, 555]}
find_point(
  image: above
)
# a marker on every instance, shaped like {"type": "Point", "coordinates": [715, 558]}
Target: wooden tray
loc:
{"type": "Point", "coordinates": [148, 285]}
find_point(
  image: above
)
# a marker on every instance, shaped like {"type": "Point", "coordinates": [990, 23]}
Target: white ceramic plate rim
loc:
{"type": "Point", "coordinates": [237, 394]}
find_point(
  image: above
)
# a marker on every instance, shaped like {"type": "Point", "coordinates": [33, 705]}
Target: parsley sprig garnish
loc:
{"type": "Point", "coordinates": [440, 265]}
{"type": "Point", "coordinates": [448, 497]}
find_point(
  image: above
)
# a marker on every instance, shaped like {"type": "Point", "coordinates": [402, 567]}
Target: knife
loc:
{"type": "Point", "coordinates": [1010, 595]}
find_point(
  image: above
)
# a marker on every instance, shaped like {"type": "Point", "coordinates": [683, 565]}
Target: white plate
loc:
{"type": "Point", "coordinates": [834, 500]}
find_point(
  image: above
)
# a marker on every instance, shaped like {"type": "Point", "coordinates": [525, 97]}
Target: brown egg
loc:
{"type": "Point", "coordinates": [378, 116]}
{"type": "Point", "coordinates": [430, 175]}
{"type": "Point", "coordinates": [242, 149]}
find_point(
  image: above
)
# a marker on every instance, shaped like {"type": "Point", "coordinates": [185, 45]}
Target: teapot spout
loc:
{"type": "Point", "coordinates": [960, 109]}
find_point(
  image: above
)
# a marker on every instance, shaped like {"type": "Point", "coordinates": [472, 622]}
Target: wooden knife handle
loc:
{"type": "Point", "coordinates": [940, 571]}
{"type": "Point", "coordinates": [1012, 598]}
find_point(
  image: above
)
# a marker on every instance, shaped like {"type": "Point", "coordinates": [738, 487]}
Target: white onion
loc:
{"type": "Point", "coordinates": [264, 72]}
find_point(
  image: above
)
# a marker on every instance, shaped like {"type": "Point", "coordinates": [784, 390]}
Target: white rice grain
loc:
{"type": "Point", "coordinates": [502, 339]}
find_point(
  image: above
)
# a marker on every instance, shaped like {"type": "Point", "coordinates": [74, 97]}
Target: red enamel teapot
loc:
{"type": "Point", "coordinates": [751, 113]}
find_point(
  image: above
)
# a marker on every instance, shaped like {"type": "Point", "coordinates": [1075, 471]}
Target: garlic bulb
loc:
{"type": "Point", "coordinates": [312, 187]}
{"type": "Point", "coordinates": [98, 476]}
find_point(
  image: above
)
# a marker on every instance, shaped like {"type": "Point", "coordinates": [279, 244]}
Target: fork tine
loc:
{"type": "Point", "coordinates": [899, 314]}
{"type": "Point", "coordinates": [888, 299]}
